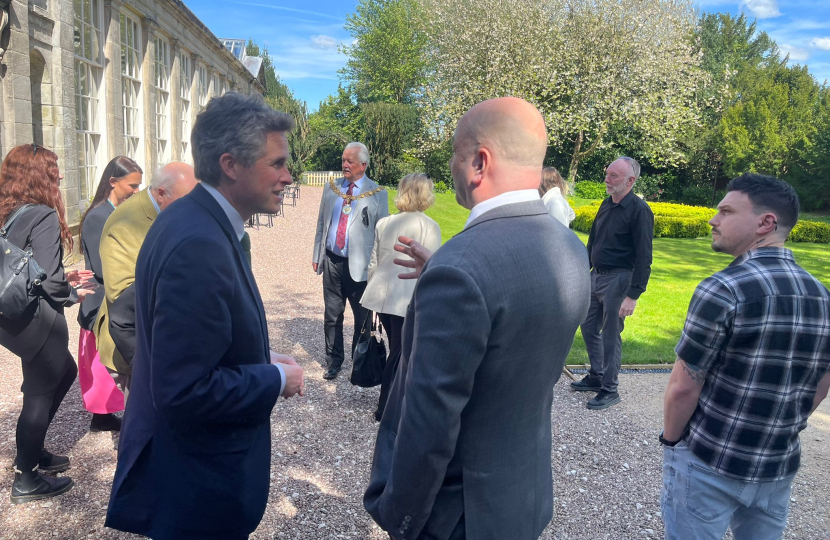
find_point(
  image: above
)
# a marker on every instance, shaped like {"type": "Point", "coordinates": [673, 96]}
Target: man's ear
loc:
{"type": "Point", "coordinates": [482, 161]}
{"type": "Point", "coordinates": [227, 163]}
{"type": "Point", "coordinates": [768, 224]}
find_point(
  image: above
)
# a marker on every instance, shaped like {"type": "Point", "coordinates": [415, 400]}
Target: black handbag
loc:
{"type": "Point", "coordinates": [369, 358]}
{"type": "Point", "coordinates": [20, 274]}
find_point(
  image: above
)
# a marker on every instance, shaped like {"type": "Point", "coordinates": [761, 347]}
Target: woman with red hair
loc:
{"type": "Point", "coordinates": [40, 336]}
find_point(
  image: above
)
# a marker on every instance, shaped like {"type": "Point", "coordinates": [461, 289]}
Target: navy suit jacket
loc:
{"type": "Point", "coordinates": [195, 450]}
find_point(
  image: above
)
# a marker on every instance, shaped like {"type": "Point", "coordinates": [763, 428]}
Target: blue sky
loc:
{"type": "Point", "coordinates": [303, 36]}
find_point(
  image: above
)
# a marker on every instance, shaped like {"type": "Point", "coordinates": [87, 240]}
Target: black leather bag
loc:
{"type": "Point", "coordinates": [369, 358]}
{"type": "Point", "coordinates": [20, 274]}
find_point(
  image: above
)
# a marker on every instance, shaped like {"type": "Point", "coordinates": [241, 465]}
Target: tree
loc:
{"type": "Point", "coordinates": [386, 60]}
{"type": "Point", "coordinates": [772, 121]}
{"type": "Point", "coordinates": [272, 81]}
{"type": "Point", "coordinates": [389, 129]}
{"type": "Point", "coordinates": [588, 65]}
{"type": "Point", "coordinates": [811, 173]}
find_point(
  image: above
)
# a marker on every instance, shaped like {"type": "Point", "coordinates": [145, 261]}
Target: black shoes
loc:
{"type": "Point", "coordinates": [49, 463]}
{"type": "Point", "coordinates": [587, 384]}
{"type": "Point", "coordinates": [104, 422]}
{"type": "Point", "coordinates": [603, 400]}
{"type": "Point", "coordinates": [331, 373]}
{"type": "Point", "coordinates": [33, 486]}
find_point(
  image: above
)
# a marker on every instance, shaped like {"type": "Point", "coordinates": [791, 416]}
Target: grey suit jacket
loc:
{"type": "Point", "coordinates": [367, 212]}
{"type": "Point", "coordinates": [468, 424]}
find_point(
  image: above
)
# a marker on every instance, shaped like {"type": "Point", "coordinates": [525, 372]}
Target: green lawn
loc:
{"type": "Point", "coordinates": [679, 265]}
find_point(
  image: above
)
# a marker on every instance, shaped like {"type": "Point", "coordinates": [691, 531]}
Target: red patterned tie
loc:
{"type": "Point", "coordinates": [340, 241]}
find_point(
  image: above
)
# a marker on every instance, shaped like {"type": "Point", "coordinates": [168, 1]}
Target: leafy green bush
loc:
{"type": "Point", "coordinates": [590, 190]}
{"type": "Point", "coordinates": [441, 187]}
{"type": "Point", "coordinates": [810, 231]}
{"type": "Point", "coordinates": [682, 210]}
{"type": "Point", "coordinates": [670, 220]}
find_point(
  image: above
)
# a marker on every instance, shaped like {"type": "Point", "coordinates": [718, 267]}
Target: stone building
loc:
{"type": "Point", "coordinates": [93, 79]}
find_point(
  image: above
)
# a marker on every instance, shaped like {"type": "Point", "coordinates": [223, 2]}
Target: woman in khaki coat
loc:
{"type": "Point", "coordinates": [386, 294]}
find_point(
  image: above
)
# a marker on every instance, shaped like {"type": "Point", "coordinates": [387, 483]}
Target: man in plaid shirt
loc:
{"type": "Point", "coordinates": [752, 365]}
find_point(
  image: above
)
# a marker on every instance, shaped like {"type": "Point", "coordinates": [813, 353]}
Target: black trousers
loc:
{"type": "Point", "coordinates": [394, 330]}
{"type": "Point", "coordinates": [47, 377]}
{"type": "Point", "coordinates": [602, 329]}
{"type": "Point", "coordinates": [338, 287]}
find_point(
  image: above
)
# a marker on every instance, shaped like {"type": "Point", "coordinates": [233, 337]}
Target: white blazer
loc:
{"type": "Point", "coordinates": [558, 207]}
{"type": "Point", "coordinates": [385, 291]}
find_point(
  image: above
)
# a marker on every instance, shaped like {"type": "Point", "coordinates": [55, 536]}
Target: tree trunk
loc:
{"type": "Point", "coordinates": [572, 170]}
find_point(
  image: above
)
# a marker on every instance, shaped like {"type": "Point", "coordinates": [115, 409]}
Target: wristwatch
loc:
{"type": "Point", "coordinates": [664, 442]}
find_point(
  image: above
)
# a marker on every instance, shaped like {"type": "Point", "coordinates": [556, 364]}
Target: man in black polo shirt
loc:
{"type": "Point", "coordinates": [752, 364]}
{"type": "Point", "coordinates": [619, 249]}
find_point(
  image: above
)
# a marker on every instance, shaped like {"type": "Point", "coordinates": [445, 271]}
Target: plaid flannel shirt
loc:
{"type": "Point", "coordinates": [760, 328]}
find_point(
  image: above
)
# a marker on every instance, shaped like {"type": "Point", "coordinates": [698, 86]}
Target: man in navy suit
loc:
{"type": "Point", "coordinates": [195, 449]}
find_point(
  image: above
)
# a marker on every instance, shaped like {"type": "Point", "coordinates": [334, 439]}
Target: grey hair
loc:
{"type": "Point", "coordinates": [235, 124]}
{"type": "Point", "coordinates": [363, 152]}
{"type": "Point", "coordinates": [163, 178]}
{"type": "Point", "coordinates": [635, 167]}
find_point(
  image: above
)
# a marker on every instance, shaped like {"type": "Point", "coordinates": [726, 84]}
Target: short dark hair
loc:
{"type": "Point", "coordinates": [236, 124]}
{"type": "Point", "coordinates": [769, 194]}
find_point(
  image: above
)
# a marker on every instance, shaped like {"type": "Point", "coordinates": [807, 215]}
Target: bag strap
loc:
{"type": "Point", "coordinates": [9, 222]}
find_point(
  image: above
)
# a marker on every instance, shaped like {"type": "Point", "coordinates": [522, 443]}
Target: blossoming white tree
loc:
{"type": "Point", "coordinates": [589, 65]}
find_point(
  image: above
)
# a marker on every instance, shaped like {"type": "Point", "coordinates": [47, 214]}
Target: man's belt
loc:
{"type": "Point", "coordinates": [604, 271]}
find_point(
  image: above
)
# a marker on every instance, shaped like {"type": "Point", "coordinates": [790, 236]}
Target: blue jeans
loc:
{"type": "Point", "coordinates": [699, 503]}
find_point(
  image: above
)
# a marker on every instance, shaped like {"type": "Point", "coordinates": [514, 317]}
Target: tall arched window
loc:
{"type": "Point", "coordinates": [185, 80]}
{"type": "Point", "coordinates": [162, 65]}
{"type": "Point", "coordinates": [131, 88]}
{"type": "Point", "coordinates": [89, 113]}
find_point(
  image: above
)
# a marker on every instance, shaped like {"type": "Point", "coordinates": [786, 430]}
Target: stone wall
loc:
{"type": "Point", "coordinates": [38, 85]}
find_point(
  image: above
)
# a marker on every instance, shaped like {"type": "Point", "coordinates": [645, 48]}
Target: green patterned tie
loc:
{"type": "Point", "coordinates": [246, 247]}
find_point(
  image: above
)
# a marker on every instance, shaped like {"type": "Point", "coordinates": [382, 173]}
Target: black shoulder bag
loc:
{"type": "Point", "coordinates": [20, 274]}
{"type": "Point", "coordinates": [369, 358]}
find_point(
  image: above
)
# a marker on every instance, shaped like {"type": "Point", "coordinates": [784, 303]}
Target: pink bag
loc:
{"type": "Point", "coordinates": [100, 393]}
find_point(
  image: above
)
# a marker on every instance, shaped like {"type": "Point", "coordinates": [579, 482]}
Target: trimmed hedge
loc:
{"type": "Point", "coordinates": [810, 231]}
{"type": "Point", "coordinates": [590, 190]}
{"type": "Point", "coordinates": [683, 221]}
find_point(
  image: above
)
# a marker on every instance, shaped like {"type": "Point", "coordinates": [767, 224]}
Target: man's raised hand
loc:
{"type": "Point", "coordinates": [420, 255]}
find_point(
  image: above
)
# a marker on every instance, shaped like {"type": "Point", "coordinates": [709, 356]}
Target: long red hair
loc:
{"type": "Point", "coordinates": [30, 174]}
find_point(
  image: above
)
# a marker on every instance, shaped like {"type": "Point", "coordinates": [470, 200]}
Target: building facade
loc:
{"type": "Point", "coordinates": [94, 79]}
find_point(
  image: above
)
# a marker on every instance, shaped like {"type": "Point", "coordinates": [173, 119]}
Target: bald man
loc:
{"type": "Point", "coordinates": [464, 446]}
{"type": "Point", "coordinates": [121, 241]}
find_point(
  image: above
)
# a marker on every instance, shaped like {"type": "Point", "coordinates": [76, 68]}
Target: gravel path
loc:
{"type": "Point", "coordinates": [606, 464]}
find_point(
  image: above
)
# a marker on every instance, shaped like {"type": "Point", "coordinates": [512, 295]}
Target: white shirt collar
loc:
{"type": "Point", "coordinates": [509, 197]}
{"type": "Point", "coordinates": [236, 220]}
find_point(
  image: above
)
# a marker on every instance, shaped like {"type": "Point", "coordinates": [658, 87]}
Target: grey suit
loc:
{"type": "Point", "coordinates": [345, 278]}
{"type": "Point", "coordinates": [361, 235]}
{"type": "Point", "coordinates": [467, 431]}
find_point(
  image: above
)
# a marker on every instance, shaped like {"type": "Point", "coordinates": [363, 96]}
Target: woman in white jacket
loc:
{"type": "Point", "coordinates": [553, 190]}
{"type": "Point", "coordinates": [385, 293]}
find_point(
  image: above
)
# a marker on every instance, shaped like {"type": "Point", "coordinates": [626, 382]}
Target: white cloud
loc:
{"type": "Point", "coordinates": [324, 42]}
{"type": "Point", "coordinates": [821, 43]}
{"type": "Point", "coordinates": [797, 54]}
{"type": "Point", "coordinates": [762, 9]}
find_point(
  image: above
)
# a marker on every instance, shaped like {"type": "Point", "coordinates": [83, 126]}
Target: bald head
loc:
{"type": "Point", "coordinates": [511, 128]}
{"type": "Point", "coordinates": [499, 146]}
{"type": "Point", "coordinates": [172, 182]}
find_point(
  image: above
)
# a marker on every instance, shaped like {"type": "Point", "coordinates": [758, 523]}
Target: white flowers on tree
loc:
{"type": "Point", "coordinates": [589, 65]}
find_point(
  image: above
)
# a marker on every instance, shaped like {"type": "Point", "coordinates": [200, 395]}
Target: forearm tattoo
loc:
{"type": "Point", "coordinates": [697, 375]}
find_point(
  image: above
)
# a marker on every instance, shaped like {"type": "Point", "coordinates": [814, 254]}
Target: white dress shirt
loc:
{"type": "Point", "coordinates": [331, 240]}
{"type": "Point", "coordinates": [509, 197]}
{"type": "Point", "coordinates": [238, 225]}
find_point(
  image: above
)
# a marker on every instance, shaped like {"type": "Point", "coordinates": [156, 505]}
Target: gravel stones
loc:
{"type": "Point", "coordinates": [606, 464]}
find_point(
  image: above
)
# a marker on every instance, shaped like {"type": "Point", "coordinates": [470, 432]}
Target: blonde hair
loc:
{"type": "Point", "coordinates": [552, 178]}
{"type": "Point", "coordinates": [414, 193]}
